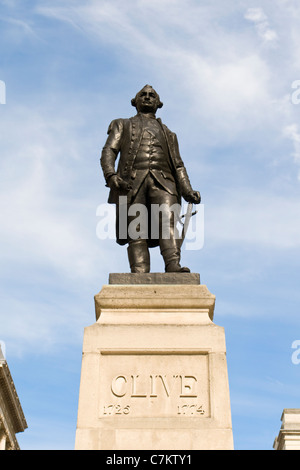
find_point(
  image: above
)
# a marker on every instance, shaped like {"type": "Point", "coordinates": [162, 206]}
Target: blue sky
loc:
{"type": "Point", "coordinates": [225, 72]}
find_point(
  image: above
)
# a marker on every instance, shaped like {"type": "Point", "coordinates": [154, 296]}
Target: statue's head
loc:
{"type": "Point", "coordinates": [147, 100]}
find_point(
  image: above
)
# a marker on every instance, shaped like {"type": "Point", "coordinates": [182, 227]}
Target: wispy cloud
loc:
{"type": "Point", "coordinates": [223, 71]}
{"type": "Point", "coordinates": [44, 223]}
{"type": "Point", "coordinates": [21, 26]}
{"type": "Point", "coordinates": [292, 132]}
{"type": "Point", "coordinates": [261, 22]}
{"type": "Point", "coordinates": [223, 93]}
{"type": "Point", "coordinates": [223, 81]}
{"type": "Point", "coordinates": [48, 232]}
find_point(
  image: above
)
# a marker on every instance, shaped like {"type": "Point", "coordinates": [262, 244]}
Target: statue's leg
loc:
{"type": "Point", "coordinates": [137, 230]}
{"type": "Point", "coordinates": [164, 217]}
{"type": "Point", "coordinates": [171, 254]}
{"type": "Point", "coordinates": [138, 256]}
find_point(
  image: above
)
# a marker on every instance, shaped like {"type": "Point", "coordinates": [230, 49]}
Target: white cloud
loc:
{"type": "Point", "coordinates": [255, 14]}
{"type": "Point", "coordinates": [50, 255]}
{"type": "Point", "coordinates": [259, 18]}
{"type": "Point", "coordinates": [19, 28]}
{"type": "Point", "coordinates": [44, 223]}
{"type": "Point", "coordinates": [219, 77]}
{"type": "Point", "coordinates": [231, 93]}
{"type": "Point", "coordinates": [292, 132]}
{"type": "Point", "coordinates": [217, 86]}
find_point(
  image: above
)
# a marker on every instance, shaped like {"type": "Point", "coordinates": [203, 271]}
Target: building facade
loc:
{"type": "Point", "coordinates": [289, 434]}
{"type": "Point", "coordinates": [12, 419]}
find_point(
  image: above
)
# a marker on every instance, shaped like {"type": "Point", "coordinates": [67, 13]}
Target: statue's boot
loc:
{"type": "Point", "coordinates": [138, 256]}
{"type": "Point", "coordinates": [171, 258]}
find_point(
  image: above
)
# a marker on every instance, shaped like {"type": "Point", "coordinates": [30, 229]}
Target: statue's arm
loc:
{"type": "Point", "coordinates": [111, 148]}
{"type": "Point", "coordinates": [183, 180]}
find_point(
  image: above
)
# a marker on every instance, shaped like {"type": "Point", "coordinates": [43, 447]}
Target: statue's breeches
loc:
{"type": "Point", "coordinates": [152, 215]}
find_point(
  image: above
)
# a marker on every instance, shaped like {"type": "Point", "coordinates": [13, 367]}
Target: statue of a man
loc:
{"type": "Point", "coordinates": [150, 173]}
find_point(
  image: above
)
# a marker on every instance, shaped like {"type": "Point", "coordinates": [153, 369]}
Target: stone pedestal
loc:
{"type": "Point", "coordinates": [154, 372]}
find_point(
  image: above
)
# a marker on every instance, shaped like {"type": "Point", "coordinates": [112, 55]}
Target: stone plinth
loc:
{"type": "Point", "coordinates": [154, 372]}
{"type": "Point", "coordinates": [154, 278]}
{"type": "Point", "coordinates": [289, 434]}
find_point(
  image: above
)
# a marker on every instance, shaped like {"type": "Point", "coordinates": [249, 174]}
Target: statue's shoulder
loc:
{"type": "Point", "coordinates": [117, 124]}
{"type": "Point", "coordinates": [166, 129]}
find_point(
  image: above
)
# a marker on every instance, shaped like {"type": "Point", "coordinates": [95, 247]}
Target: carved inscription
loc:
{"type": "Point", "coordinates": [116, 410]}
{"type": "Point", "coordinates": [190, 410]}
{"type": "Point", "coordinates": [154, 385]}
{"type": "Point", "coordinates": [178, 393]}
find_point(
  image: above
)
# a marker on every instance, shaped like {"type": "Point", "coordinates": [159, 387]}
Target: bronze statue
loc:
{"type": "Point", "coordinates": [150, 172]}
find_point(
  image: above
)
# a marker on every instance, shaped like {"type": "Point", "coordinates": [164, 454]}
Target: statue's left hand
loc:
{"type": "Point", "coordinates": [194, 197]}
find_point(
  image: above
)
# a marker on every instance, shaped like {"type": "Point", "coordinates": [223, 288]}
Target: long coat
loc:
{"type": "Point", "coordinates": [124, 138]}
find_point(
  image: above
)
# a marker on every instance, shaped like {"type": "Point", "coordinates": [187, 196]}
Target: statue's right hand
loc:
{"type": "Point", "coordinates": [117, 183]}
{"type": "Point", "coordinates": [113, 182]}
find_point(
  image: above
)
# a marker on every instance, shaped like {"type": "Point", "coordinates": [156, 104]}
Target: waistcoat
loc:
{"type": "Point", "coordinates": [153, 151]}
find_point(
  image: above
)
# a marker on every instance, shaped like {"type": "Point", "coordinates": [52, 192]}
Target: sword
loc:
{"type": "Point", "coordinates": [187, 216]}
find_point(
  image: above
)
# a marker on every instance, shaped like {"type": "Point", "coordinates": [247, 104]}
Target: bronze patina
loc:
{"type": "Point", "coordinates": [150, 173]}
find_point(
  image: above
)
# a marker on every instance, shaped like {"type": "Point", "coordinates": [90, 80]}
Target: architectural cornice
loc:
{"type": "Point", "coordinates": [12, 419]}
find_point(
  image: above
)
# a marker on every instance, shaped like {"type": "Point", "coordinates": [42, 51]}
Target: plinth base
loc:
{"type": "Point", "coordinates": [154, 372]}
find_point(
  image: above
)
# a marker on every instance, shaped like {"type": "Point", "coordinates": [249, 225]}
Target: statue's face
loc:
{"type": "Point", "coordinates": [147, 100]}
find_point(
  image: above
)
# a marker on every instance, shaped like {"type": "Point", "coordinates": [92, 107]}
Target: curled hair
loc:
{"type": "Point", "coordinates": [133, 101]}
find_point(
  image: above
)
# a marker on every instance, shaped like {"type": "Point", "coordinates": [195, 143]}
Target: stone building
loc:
{"type": "Point", "coordinates": [12, 419]}
{"type": "Point", "coordinates": [289, 434]}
